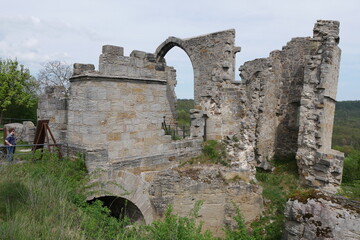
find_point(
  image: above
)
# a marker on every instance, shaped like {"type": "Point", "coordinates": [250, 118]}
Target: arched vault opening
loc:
{"type": "Point", "coordinates": [178, 57]}
{"type": "Point", "coordinates": [121, 208]}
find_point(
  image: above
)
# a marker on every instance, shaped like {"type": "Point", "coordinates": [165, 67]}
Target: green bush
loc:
{"type": "Point", "coordinates": [351, 171]}
{"type": "Point", "coordinates": [350, 186]}
{"type": "Point", "coordinates": [183, 107]}
{"type": "Point", "coordinates": [240, 232]}
{"type": "Point", "coordinates": [174, 227]}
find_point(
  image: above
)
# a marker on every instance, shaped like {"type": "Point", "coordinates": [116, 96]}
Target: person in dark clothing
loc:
{"type": "Point", "coordinates": [10, 142]}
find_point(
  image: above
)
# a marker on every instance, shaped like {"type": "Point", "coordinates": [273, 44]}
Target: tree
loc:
{"type": "Point", "coordinates": [17, 88]}
{"type": "Point", "coordinates": [55, 73]}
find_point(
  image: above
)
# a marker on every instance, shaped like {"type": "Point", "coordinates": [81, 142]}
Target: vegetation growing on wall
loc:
{"type": "Point", "coordinates": [213, 152]}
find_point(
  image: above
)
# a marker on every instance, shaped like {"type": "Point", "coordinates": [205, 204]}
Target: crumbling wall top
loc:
{"type": "Point", "coordinates": [327, 30]}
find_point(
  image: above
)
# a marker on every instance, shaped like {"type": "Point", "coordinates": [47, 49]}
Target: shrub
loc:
{"type": "Point", "coordinates": [350, 186]}
{"type": "Point", "coordinates": [215, 151]}
{"type": "Point", "coordinates": [174, 227]}
{"type": "Point", "coordinates": [351, 171]}
{"type": "Point", "coordinates": [240, 232]}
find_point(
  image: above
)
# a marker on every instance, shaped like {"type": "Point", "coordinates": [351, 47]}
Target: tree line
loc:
{"type": "Point", "coordinates": [19, 90]}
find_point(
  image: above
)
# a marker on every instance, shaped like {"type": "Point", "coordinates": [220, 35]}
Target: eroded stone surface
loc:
{"type": "Point", "coordinates": [325, 217]}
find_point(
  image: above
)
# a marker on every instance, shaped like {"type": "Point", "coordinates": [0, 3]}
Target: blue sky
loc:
{"type": "Point", "coordinates": [39, 31]}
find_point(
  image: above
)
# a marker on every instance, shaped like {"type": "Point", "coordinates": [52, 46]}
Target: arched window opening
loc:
{"type": "Point", "coordinates": [121, 208]}
{"type": "Point", "coordinates": [184, 88]}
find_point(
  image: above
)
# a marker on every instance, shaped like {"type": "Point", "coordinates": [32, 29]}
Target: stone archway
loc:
{"type": "Point", "coordinates": [167, 45]}
{"type": "Point", "coordinates": [121, 208]}
{"type": "Point", "coordinates": [124, 186]}
{"type": "Point", "coordinates": [213, 60]}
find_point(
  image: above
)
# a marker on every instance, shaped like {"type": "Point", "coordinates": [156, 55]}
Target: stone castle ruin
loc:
{"type": "Point", "coordinates": [283, 106]}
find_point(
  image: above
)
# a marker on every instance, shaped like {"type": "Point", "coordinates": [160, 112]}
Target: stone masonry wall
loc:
{"type": "Point", "coordinates": [123, 117]}
{"type": "Point", "coordinates": [289, 98]}
{"type": "Point", "coordinates": [218, 187]}
{"type": "Point", "coordinates": [319, 165]}
{"type": "Point", "coordinates": [273, 88]}
{"type": "Point", "coordinates": [53, 106]}
{"type": "Point", "coordinates": [140, 65]}
{"type": "Point", "coordinates": [115, 114]}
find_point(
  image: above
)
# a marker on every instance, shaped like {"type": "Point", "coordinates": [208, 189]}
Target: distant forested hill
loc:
{"type": "Point", "coordinates": [346, 124]}
{"type": "Point", "coordinates": [183, 108]}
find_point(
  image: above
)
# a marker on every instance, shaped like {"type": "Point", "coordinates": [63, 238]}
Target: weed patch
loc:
{"type": "Point", "coordinates": [277, 185]}
{"type": "Point", "coordinates": [213, 152]}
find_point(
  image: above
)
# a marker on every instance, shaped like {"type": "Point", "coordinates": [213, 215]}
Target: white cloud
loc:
{"type": "Point", "coordinates": [30, 42]}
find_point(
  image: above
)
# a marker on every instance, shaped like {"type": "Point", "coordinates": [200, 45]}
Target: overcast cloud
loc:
{"type": "Point", "coordinates": [38, 31]}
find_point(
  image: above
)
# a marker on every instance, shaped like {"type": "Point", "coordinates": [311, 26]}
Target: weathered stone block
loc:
{"type": "Point", "coordinates": [114, 50]}
{"type": "Point", "coordinates": [83, 68]}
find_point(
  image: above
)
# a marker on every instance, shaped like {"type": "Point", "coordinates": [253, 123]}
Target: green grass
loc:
{"type": "Point", "coordinates": [277, 186]}
{"type": "Point", "coordinates": [44, 209]}
{"type": "Point", "coordinates": [50, 204]}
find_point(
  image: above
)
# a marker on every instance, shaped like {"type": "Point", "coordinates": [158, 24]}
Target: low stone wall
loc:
{"type": "Point", "coordinates": [323, 217]}
{"type": "Point", "coordinates": [218, 187]}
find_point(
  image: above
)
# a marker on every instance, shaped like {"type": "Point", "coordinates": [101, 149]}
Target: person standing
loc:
{"type": "Point", "coordinates": [10, 142]}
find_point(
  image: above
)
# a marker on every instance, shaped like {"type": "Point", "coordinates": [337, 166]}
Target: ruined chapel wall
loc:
{"type": "Point", "coordinates": [213, 60]}
{"type": "Point", "coordinates": [273, 89]}
{"type": "Point", "coordinates": [232, 98]}
{"type": "Point", "coordinates": [319, 165]}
